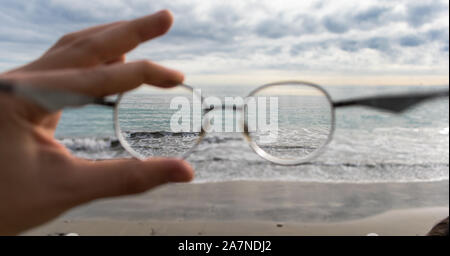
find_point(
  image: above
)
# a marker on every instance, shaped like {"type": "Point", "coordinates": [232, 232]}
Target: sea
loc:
{"type": "Point", "coordinates": [368, 145]}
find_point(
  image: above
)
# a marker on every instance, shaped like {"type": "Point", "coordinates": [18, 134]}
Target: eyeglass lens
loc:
{"type": "Point", "coordinates": [287, 121]}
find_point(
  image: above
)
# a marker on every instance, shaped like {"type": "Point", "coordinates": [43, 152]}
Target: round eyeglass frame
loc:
{"type": "Point", "coordinates": [257, 149]}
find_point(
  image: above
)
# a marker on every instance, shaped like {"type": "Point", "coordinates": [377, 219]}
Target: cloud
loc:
{"type": "Point", "coordinates": [411, 41]}
{"type": "Point", "coordinates": [219, 37]}
{"type": "Point", "coordinates": [350, 45]}
{"type": "Point", "coordinates": [420, 14]}
{"type": "Point", "coordinates": [445, 48]}
{"type": "Point", "coordinates": [273, 28]}
{"type": "Point", "coordinates": [371, 15]}
{"type": "Point", "coordinates": [336, 25]}
{"type": "Point", "coordinates": [379, 43]}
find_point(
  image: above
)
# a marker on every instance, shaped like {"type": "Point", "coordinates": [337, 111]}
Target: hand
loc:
{"type": "Point", "coordinates": [39, 178]}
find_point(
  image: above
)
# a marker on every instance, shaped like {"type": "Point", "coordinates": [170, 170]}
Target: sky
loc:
{"type": "Point", "coordinates": [247, 42]}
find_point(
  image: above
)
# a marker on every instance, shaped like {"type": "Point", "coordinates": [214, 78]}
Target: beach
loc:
{"type": "Point", "coordinates": [263, 208]}
{"type": "Point", "coordinates": [297, 118]}
{"type": "Point", "coordinates": [382, 173]}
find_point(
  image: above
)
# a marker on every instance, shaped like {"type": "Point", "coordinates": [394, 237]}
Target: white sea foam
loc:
{"type": "Point", "coordinates": [368, 145]}
{"type": "Point", "coordinates": [382, 155]}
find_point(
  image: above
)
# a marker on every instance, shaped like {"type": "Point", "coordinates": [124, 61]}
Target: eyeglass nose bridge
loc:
{"type": "Point", "coordinates": [224, 107]}
{"type": "Point", "coordinates": [206, 119]}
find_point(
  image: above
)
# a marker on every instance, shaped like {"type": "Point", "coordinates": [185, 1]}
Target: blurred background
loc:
{"type": "Point", "coordinates": [376, 162]}
{"type": "Point", "coordinates": [374, 42]}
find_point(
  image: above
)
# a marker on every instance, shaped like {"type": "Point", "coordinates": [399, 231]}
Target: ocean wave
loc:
{"type": "Point", "coordinates": [354, 157]}
{"type": "Point", "coordinates": [90, 144]}
{"type": "Point", "coordinates": [159, 134]}
{"type": "Point", "coordinates": [210, 139]}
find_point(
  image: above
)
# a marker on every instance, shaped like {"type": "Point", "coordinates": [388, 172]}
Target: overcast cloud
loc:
{"type": "Point", "coordinates": [217, 42]}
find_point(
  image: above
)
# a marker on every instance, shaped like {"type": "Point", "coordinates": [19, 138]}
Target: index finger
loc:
{"type": "Point", "coordinates": [106, 80]}
{"type": "Point", "coordinates": [120, 39]}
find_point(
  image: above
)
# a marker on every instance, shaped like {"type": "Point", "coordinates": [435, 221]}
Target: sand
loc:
{"type": "Point", "coordinates": [263, 208]}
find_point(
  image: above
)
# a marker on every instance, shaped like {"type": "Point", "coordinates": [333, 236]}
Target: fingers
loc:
{"type": "Point", "coordinates": [120, 59]}
{"type": "Point", "coordinates": [102, 44]}
{"type": "Point", "coordinates": [106, 80]}
{"type": "Point", "coordinates": [113, 42]}
{"type": "Point", "coordinates": [58, 60]}
{"type": "Point", "coordinates": [122, 38]}
{"type": "Point", "coordinates": [71, 37]}
{"type": "Point", "coordinates": [122, 177]}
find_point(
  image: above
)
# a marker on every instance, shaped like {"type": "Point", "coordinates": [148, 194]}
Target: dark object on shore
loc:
{"type": "Point", "coordinates": [115, 143]}
{"type": "Point", "coordinates": [279, 225]}
{"type": "Point", "coordinates": [63, 234]}
{"type": "Point", "coordinates": [440, 229]}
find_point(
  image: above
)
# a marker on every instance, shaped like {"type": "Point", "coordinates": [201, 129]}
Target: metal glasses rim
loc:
{"type": "Point", "coordinates": [258, 150]}
{"type": "Point", "coordinates": [133, 152]}
{"type": "Point", "coordinates": [295, 161]}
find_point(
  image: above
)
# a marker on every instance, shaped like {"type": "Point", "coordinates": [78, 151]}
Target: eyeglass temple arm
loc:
{"type": "Point", "coordinates": [5, 87]}
{"type": "Point", "coordinates": [223, 107]}
{"type": "Point", "coordinates": [54, 100]}
{"type": "Point", "coordinates": [392, 103]}
{"type": "Point", "coordinates": [104, 102]}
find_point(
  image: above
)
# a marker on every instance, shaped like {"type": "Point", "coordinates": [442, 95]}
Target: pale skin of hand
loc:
{"type": "Point", "coordinates": [39, 178]}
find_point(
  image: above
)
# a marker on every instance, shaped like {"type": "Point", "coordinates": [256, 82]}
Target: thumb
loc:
{"type": "Point", "coordinates": [128, 176]}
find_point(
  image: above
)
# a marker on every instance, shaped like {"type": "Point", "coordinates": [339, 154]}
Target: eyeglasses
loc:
{"type": "Point", "coordinates": [287, 123]}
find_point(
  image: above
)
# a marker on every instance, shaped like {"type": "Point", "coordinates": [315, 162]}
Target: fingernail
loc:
{"type": "Point", "coordinates": [174, 80]}
{"type": "Point", "coordinates": [164, 12]}
{"type": "Point", "coordinates": [171, 83]}
{"type": "Point", "coordinates": [182, 173]}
